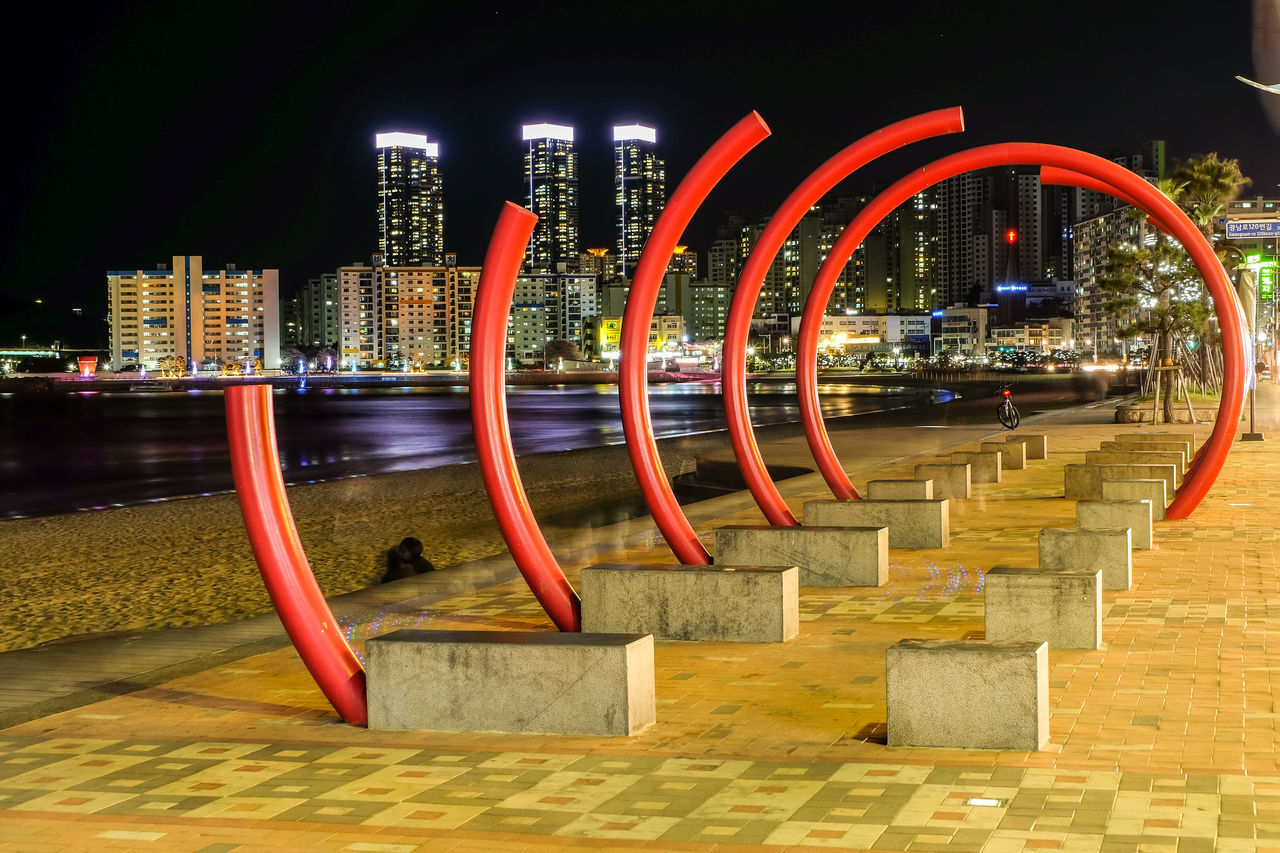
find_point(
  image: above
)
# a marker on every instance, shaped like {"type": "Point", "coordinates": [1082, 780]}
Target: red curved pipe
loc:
{"type": "Point", "coordinates": [1054, 176]}
{"type": "Point", "coordinates": [738, 323]}
{"type": "Point", "coordinates": [489, 418]}
{"type": "Point", "coordinates": [255, 465]}
{"type": "Point", "coordinates": [1213, 454]}
{"type": "Point", "coordinates": [636, 319]}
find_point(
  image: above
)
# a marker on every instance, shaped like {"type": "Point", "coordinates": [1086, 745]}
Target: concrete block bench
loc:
{"type": "Point", "coordinates": [1138, 457]}
{"type": "Point", "coordinates": [737, 604]}
{"type": "Point", "coordinates": [1084, 481]}
{"type": "Point", "coordinates": [1037, 445]}
{"type": "Point", "coordinates": [1061, 607]}
{"type": "Point", "coordinates": [967, 694]}
{"type": "Point", "coordinates": [826, 556]}
{"type": "Point", "coordinates": [1013, 454]}
{"type": "Point", "coordinates": [950, 479]}
{"type": "Point", "coordinates": [1096, 550]}
{"type": "Point", "coordinates": [1133, 514]}
{"type": "Point", "coordinates": [1130, 437]}
{"type": "Point", "coordinates": [911, 524]}
{"type": "Point", "coordinates": [1155, 492]}
{"type": "Point", "coordinates": [900, 490]}
{"type": "Point", "coordinates": [549, 682]}
{"type": "Point", "coordinates": [984, 464]}
{"type": "Point", "coordinates": [1183, 447]}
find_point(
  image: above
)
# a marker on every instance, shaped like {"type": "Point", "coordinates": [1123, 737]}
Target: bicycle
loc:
{"type": "Point", "coordinates": [1007, 412]}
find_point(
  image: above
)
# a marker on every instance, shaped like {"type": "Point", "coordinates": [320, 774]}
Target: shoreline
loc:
{"type": "Point", "coordinates": [187, 562]}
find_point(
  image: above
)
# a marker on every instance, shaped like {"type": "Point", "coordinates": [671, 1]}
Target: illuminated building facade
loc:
{"type": "Point", "coordinates": [551, 181]}
{"type": "Point", "coordinates": [398, 317]}
{"type": "Point", "coordinates": [599, 262]}
{"type": "Point", "coordinates": [640, 190]}
{"type": "Point", "coordinates": [410, 200]}
{"type": "Point", "coordinates": [548, 307]}
{"type": "Point", "coordinates": [319, 310]}
{"type": "Point", "coordinates": [210, 317]}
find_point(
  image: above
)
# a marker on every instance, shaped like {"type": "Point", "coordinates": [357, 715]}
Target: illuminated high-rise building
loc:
{"type": "Point", "coordinates": [410, 200]}
{"type": "Point", "coordinates": [640, 190]}
{"type": "Point", "coordinates": [551, 179]}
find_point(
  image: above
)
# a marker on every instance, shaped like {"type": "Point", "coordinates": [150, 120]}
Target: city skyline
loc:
{"type": "Point", "coordinates": [264, 162]}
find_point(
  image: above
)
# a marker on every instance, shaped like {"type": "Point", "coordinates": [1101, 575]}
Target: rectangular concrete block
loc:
{"type": "Point", "coordinates": [550, 682]}
{"type": "Point", "coordinates": [1013, 454]}
{"type": "Point", "coordinates": [967, 694]}
{"type": "Point", "coordinates": [1037, 445]}
{"type": "Point", "coordinates": [1183, 447]}
{"type": "Point", "coordinates": [826, 556]}
{"type": "Point", "coordinates": [1153, 491]}
{"type": "Point", "coordinates": [1084, 481]}
{"type": "Point", "coordinates": [736, 604]}
{"type": "Point", "coordinates": [1105, 550]}
{"type": "Point", "coordinates": [951, 480]}
{"type": "Point", "coordinates": [985, 464]}
{"type": "Point", "coordinates": [1138, 457]}
{"type": "Point", "coordinates": [1133, 514]}
{"type": "Point", "coordinates": [1130, 437]}
{"type": "Point", "coordinates": [1061, 607]}
{"type": "Point", "coordinates": [900, 490]}
{"type": "Point", "coordinates": [911, 524]}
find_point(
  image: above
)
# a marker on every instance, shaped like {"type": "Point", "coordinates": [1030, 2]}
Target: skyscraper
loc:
{"type": "Point", "coordinates": [551, 177]}
{"type": "Point", "coordinates": [640, 190]}
{"type": "Point", "coordinates": [410, 201]}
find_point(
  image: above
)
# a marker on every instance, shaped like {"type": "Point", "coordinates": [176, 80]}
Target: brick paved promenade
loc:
{"type": "Point", "coordinates": [1165, 739]}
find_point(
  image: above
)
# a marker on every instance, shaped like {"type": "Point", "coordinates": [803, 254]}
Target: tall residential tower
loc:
{"type": "Point", "coordinates": [640, 190]}
{"type": "Point", "coordinates": [551, 177]}
{"type": "Point", "coordinates": [410, 201]}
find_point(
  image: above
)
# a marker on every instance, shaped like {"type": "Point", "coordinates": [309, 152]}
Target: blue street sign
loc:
{"type": "Point", "coordinates": [1245, 228]}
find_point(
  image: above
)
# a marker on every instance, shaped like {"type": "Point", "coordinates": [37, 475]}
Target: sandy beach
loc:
{"type": "Point", "coordinates": [187, 562]}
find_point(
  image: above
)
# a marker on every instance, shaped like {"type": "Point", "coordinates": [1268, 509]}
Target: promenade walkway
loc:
{"type": "Point", "coordinates": [216, 739]}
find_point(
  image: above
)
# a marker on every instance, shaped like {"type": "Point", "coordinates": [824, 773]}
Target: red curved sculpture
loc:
{"type": "Point", "coordinates": [489, 418]}
{"type": "Point", "coordinates": [255, 465]}
{"type": "Point", "coordinates": [633, 369]}
{"type": "Point", "coordinates": [738, 324]}
{"type": "Point", "coordinates": [1197, 483]}
{"type": "Point", "coordinates": [1054, 176]}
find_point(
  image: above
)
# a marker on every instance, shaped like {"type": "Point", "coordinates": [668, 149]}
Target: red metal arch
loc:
{"type": "Point", "coordinates": [528, 547]}
{"type": "Point", "coordinates": [738, 325]}
{"type": "Point", "coordinates": [255, 465]}
{"type": "Point", "coordinates": [1213, 455]}
{"type": "Point", "coordinates": [636, 319]}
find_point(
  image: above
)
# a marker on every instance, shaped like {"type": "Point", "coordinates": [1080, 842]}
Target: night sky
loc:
{"type": "Point", "coordinates": [243, 132]}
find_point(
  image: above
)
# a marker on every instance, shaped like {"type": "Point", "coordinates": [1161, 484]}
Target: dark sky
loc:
{"type": "Point", "coordinates": [244, 131]}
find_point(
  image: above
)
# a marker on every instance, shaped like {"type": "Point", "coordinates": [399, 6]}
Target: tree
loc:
{"type": "Point", "coordinates": [561, 348]}
{"type": "Point", "coordinates": [172, 366]}
{"type": "Point", "coordinates": [1207, 184]}
{"type": "Point", "coordinates": [1161, 280]}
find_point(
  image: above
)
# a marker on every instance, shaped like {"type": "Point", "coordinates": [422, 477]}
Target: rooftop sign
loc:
{"type": "Point", "coordinates": [548, 131]}
{"type": "Point", "coordinates": [623, 132]}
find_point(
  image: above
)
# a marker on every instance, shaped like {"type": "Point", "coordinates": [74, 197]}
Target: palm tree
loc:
{"type": "Point", "coordinates": [1208, 184]}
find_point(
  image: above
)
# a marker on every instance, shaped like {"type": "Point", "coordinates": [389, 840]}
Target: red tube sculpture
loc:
{"type": "Point", "coordinates": [489, 418]}
{"type": "Point", "coordinates": [738, 323]}
{"type": "Point", "coordinates": [1053, 176]}
{"type": "Point", "coordinates": [255, 465]}
{"type": "Point", "coordinates": [1197, 483]}
{"type": "Point", "coordinates": [636, 319]}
